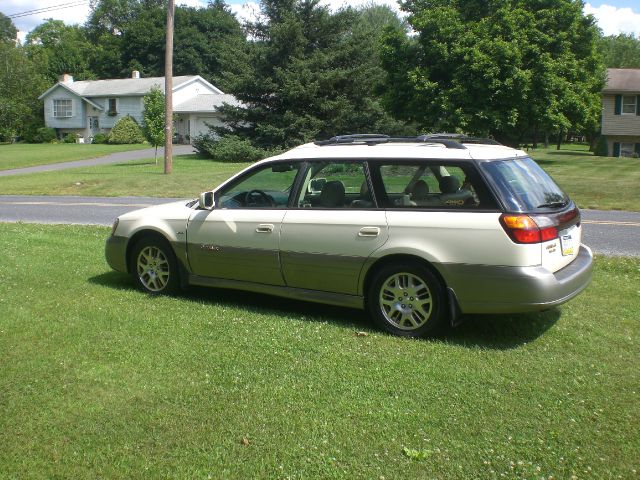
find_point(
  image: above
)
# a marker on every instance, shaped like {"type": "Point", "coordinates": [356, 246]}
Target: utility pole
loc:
{"type": "Point", "coordinates": [168, 91]}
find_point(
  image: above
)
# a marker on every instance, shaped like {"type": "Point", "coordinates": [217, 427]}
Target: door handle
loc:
{"type": "Point", "coordinates": [265, 228]}
{"type": "Point", "coordinates": [369, 232]}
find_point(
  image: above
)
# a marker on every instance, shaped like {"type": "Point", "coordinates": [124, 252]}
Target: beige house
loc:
{"type": "Point", "coordinates": [88, 107]}
{"type": "Point", "coordinates": [621, 112]}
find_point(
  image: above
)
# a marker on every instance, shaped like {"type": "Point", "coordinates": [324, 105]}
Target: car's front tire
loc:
{"type": "Point", "coordinates": [154, 267]}
{"type": "Point", "coordinates": [407, 300]}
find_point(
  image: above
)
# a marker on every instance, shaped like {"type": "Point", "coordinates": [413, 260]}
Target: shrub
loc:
{"type": "Point", "coordinates": [100, 138]}
{"type": "Point", "coordinates": [126, 130]}
{"type": "Point", "coordinates": [70, 138]}
{"type": "Point", "coordinates": [601, 147]}
{"type": "Point", "coordinates": [44, 135]}
{"type": "Point", "coordinates": [229, 149]}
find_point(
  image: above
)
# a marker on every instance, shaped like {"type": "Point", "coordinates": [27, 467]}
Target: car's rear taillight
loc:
{"type": "Point", "coordinates": [524, 229]}
{"type": "Point", "coordinates": [537, 228]}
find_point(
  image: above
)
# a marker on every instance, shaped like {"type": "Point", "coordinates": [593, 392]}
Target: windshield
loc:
{"type": "Point", "coordinates": [523, 186]}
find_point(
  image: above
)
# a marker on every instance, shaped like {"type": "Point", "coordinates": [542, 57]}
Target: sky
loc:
{"type": "Point", "coordinates": [613, 16]}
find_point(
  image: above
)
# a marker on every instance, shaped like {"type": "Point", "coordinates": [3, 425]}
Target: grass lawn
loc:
{"type": "Point", "coordinates": [101, 381]}
{"type": "Point", "coordinates": [139, 178]}
{"type": "Point", "coordinates": [19, 155]}
{"type": "Point", "coordinates": [593, 182]}
{"type": "Point", "coordinates": [604, 183]}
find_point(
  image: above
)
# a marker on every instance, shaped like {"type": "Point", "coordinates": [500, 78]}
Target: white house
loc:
{"type": "Point", "coordinates": [94, 106]}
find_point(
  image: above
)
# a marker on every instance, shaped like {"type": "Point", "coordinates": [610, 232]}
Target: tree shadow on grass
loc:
{"type": "Point", "coordinates": [577, 153]}
{"type": "Point", "coordinates": [546, 162]}
{"type": "Point", "coordinates": [495, 332]}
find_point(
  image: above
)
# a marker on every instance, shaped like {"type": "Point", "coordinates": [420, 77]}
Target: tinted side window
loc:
{"type": "Point", "coordinates": [431, 185]}
{"type": "Point", "coordinates": [268, 187]}
{"type": "Point", "coordinates": [335, 184]}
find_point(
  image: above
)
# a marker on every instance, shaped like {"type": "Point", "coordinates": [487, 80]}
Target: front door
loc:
{"type": "Point", "coordinates": [239, 239]}
{"type": "Point", "coordinates": [94, 126]}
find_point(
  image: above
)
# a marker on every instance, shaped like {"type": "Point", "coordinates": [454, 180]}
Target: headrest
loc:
{"type": "Point", "coordinates": [332, 194]}
{"type": "Point", "coordinates": [420, 190]}
{"type": "Point", "coordinates": [449, 184]}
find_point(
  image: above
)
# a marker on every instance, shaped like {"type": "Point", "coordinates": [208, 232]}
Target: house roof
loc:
{"type": "Point", "coordinates": [206, 103]}
{"type": "Point", "coordinates": [622, 80]}
{"type": "Point", "coordinates": [125, 86]}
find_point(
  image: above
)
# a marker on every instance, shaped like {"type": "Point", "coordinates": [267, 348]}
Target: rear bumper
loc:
{"type": "Point", "coordinates": [115, 251]}
{"type": "Point", "coordinates": [497, 289]}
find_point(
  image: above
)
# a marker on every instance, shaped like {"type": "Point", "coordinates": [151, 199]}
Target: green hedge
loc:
{"type": "Point", "coordinates": [125, 131]}
{"type": "Point", "coordinates": [230, 148]}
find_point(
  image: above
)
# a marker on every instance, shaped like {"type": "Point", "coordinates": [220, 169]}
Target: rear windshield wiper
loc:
{"type": "Point", "coordinates": [553, 205]}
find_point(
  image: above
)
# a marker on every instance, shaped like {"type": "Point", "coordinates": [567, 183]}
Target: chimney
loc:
{"type": "Point", "coordinates": [65, 78]}
{"type": "Point", "coordinates": [135, 74]}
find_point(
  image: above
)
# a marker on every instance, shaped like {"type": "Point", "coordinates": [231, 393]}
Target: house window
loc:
{"type": "Point", "coordinates": [63, 108]}
{"type": "Point", "coordinates": [629, 104]}
{"type": "Point", "coordinates": [626, 149]}
{"type": "Point", "coordinates": [112, 108]}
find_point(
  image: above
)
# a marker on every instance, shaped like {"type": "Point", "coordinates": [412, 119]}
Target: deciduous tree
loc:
{"type": "Point", "coordinates": [620, 51]}
{"type": "Point", "coordinates": [502, 68]}
{"type": "Point", "coordinates": [206, 39]}
{"type": "Point", "coordinates": [8, 31]}
{"type": "Point", "coordinates": [58, 48]}
{"type": "Point", "coordinates": [154, 125]}
{"type": "Point", "coordinates": [20, 111]}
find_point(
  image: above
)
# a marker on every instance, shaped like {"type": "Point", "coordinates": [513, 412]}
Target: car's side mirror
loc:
{"type": "Point", "coordinates": [206, 201]}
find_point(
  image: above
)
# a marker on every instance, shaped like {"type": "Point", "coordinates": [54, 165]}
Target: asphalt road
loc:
{"type": "Point", "coordinates": [606, 232]}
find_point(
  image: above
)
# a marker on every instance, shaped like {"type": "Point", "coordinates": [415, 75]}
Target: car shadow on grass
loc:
{"type": "Point", "coordinates": [348, 318]}
{"type": "Point", "coordinates": [500, 332]}
{"type": "Point", "coordinates": [496, 332]}
{"type": "Point", "coordinates": [111, 279]}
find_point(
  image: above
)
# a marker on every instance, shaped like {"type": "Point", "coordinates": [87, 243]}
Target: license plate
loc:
{"type": "Point", "coordinates": [568, 241]}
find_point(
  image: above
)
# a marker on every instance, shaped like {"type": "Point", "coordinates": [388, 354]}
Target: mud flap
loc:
{"type": "Point", "coordinates": [455, 315]}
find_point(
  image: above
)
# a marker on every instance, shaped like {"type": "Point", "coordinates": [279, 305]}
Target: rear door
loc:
{"type": "Point", "coordinates": [332, 228]}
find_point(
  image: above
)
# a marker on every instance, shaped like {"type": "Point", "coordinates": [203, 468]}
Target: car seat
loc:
{"type": "Point", "coordinates": [332, 195]}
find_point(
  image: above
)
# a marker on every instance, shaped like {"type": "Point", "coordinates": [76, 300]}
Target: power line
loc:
{"type": "Point", "coordinates": [51, 8]}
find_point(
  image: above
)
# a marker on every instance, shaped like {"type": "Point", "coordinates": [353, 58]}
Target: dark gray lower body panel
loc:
{"type": "Point", "coordinates": [500, 289]}
{"type": "Point", "coordinates": [341, 300]}
{"type": "Point", "coordinates": [115, 251]}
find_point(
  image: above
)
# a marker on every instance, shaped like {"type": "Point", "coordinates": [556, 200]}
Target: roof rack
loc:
{"type": "Point", "coordinates": [449, 140]}
{"type": "Point", "coordinates": [459, 137]}
{"type": "Point", "coordinates": [368, 138]}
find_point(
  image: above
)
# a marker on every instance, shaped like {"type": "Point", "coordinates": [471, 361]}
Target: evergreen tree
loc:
{"type": "Point", "coordinates": [311, 74]}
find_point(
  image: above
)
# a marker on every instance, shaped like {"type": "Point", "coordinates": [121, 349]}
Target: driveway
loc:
{"type": "Point", "coordinates": [118, 157]}
{"type": "Point", "coordinates": [606, 232]}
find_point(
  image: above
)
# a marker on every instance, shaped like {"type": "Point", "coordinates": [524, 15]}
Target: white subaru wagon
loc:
{"type": "Point", "coordinates": [417, 231]}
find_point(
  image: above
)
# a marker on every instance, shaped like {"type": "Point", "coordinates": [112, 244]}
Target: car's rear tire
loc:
{"type": "Point", "coordinates": [407, 300]}
{"type": "Point", "coordinates": [154, 267]}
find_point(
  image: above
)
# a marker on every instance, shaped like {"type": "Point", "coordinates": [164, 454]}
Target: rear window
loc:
{"type": "Point", "coordinates": [523, 186]}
